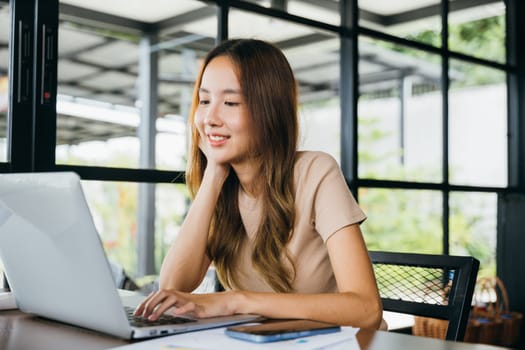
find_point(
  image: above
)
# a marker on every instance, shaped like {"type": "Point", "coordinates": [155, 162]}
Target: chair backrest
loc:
{"type": "Point", "coordinates": [437, 286]}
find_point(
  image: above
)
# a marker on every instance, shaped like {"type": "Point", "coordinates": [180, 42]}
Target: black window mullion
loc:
{"type": "Point", "coordinates": [445, 84]}
{"type": "Point", "coordinates": [21, 86]}
{"type": "Point", "coordinates": [222, 21]}
{"type": "Point", "coordinates": [516, 91]}
{"type": "Point", "coordinates": [45, 67]}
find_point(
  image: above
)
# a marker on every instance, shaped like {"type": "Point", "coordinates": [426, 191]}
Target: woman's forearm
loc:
{"type": "Point", "coordinates": [339, 308]}
{"type": "Point", "coordinates": [186, 263]}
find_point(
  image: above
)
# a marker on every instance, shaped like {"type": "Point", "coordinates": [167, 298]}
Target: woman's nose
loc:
{"type": "Point", "coordinates": [212, 117]}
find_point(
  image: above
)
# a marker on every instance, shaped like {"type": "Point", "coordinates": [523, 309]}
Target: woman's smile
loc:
{"type": "Point", "coordinates": [217, 140]}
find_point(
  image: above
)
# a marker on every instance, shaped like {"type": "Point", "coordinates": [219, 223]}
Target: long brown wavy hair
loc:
{"type": "Point", "coordinates": [269, 90]}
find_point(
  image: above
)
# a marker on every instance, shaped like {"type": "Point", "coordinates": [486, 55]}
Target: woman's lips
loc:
{"type": "Point", "coordinates": [217, 140]}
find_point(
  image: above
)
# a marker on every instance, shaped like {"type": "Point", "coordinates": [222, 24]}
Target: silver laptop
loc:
{"type": "Point", "coordinates": [56, 265]}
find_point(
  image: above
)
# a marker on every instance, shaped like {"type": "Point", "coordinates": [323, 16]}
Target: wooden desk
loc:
{"type": "Point", "coordinates": [19, 331]}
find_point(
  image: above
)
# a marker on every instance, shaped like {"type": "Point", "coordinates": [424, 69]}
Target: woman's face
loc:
{"type": "Point", "coordinates": [221, 116]}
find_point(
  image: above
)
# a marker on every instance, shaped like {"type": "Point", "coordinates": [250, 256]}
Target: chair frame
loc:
{"type": "Point", "coordinates": [460, 296]}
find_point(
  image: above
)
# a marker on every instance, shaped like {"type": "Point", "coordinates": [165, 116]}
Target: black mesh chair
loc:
{"type": "Point", "coordinates": [437, 286]}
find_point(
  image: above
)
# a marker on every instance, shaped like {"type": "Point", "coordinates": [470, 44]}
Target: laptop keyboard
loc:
{"type": "Point", "coordinates": [138, 321]}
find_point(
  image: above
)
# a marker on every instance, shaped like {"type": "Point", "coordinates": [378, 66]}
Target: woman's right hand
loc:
{"type": "Point", "coordinates": [215, 170]}
{"type": "Point", "coordinates": [197, 305]}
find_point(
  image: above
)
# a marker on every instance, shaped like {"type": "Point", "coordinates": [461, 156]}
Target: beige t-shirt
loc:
{"type": "Point", "coordinates": [323, 205]}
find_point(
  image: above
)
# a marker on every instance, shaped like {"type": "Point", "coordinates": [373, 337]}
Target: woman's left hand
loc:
{"type": "Point", "coordinates": [198, 305]}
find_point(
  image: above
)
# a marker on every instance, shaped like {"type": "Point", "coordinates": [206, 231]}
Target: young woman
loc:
{"type": "Point", "coordinates": [280, 226]}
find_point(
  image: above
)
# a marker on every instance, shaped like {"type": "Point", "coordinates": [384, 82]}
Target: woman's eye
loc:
{"type": "Point", "coordinates": [231, 104]}
{"type": "Point", "coordinates": [204, 102]}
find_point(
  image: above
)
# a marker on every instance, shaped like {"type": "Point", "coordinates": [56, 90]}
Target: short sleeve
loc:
{"type": "Point", "coordinates": [334, 206]}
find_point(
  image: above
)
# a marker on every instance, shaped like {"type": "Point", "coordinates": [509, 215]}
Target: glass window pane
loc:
{"type": "Point", "coordinates": [322, 11]}
{"type": "Point", "coordinates": [402, 220]}
{"type": "Point", "coordinates": [181, 48]}
{"type": "Point", "coordinates": [171, 204]}
{"type": "Point", "coordinates": [314, 57]}
{"type": "Point", "coordinates": [400, 113]}
{"type": "Point", "coordinates": [477, 125]}
{"type": "Point", "coordinates": [101, 94]}
{"type": "Point", "coordinates": [415, 20]}
{"type": "Point", "coordinates": [478, 30]}
{"type": "Point", "coordinates": [114, 208]}
{"type": "Point", "coordinates": [473, 222]}
{"type": "Point", "coordinates": [5, 21]}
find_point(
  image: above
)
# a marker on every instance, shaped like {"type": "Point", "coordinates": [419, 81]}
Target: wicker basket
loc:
{"type": "Point", "coordinates": [430, 327]}
{"type": "Point", "coordinates": [490, 322]}
{"type": "Point", "coordinates": [501, 326]}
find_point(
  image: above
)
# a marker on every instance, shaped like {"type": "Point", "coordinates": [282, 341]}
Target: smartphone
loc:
{"type": "Point", "coordinates": [271, 331]}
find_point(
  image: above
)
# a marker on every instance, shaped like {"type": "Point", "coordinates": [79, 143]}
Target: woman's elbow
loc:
{"type": "Point", "coordinates": [375, 315]}
{"type": "Point", "coordinates": [366, 312]}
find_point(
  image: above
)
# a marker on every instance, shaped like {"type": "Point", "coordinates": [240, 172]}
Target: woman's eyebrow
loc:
{"type": "Point", "coordinates": [225, 91]}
